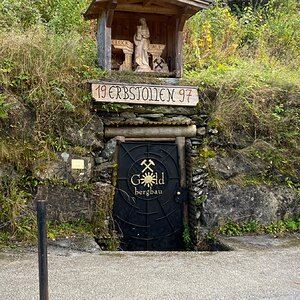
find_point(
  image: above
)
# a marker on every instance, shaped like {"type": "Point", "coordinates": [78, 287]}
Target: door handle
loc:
{"type": "Point", "coordinates": [181, 195]}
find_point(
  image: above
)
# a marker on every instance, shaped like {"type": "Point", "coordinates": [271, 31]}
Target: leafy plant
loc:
{"type": "Point", "coordinates": [187, 237]}
{"type": "Point", "coordinates": [4, 107]}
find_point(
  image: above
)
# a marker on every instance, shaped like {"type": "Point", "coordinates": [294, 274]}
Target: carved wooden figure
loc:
{"type": "Point", "coordinates": [142, 43]}
{"type": "Point", "coordinates": [142, 35]}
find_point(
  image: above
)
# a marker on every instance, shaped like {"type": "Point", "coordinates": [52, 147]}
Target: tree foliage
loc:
{"type": "Point", "coordinates": [57, 15]}
{"type": "Point", "coordinates": [270, 31]}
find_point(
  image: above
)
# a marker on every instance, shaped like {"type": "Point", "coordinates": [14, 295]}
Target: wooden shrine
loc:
{"type": "Point", "coordinates": [142, 35]}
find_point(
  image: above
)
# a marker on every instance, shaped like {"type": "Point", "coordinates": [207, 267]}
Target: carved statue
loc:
{"type": "Point", "coordinates": [142, 42]}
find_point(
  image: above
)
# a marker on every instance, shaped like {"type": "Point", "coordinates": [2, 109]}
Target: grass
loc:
{"type": "Point", "coordinates": [254, 227]}
{"type": "Point", "coordinates": [31, 66]}
{"type": "Point", "coordinates": [258, 104]}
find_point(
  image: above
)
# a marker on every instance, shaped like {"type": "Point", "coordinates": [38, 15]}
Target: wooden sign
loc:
{"type": "Point", "coordinates": [145, 94]}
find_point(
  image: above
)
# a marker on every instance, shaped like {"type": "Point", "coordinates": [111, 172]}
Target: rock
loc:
{"type": "Point", "coordinates": [195, 188]}
{"type": "Point", "coordinates": [113, 120]}
{"type": "Point", "coordinates": [169, 81]}
{"type": "Point", "coordinates": [194, 153]}
{"type": "Point", "coordinates": [181, 119]}
{"type": "Point", "coordinates": [109, 149]}
{"type": "Point", "coordinates": [213, 131]}
{"type": "Point", "coordinates": [109, 114]}
{"type": "Point", "coordinates": [61, 169]}
{"type": "Point", "coordinates": [104, 172]}
{"type": "Point", "coordinates": [259, 242]}
{"type": "Point", "coordinates": [127, 115]}
{"type": "Point", "coordinates": [196, 141]}
{"type": "Point", "coordinates": [228, 167]}
{"type": "Point", "coordinates": [88, 135]}
{"type": "Point", "coordinates": [198, 177]}
{"type": "Point", "coordinates": [138, 120]}
{"type": "Point", "coordinates": [209, 94]}
{"type": "Point", "coordinates": [83, 243]}
{"type": "Point", "coordinates": [200, 170]}
{"type": "Point", "coordinates": [198, 194]}
{"type": "Point", "coordinates": [20, 121]}
{"type": "Point", "coordinates": [244, 204]}
{"type": "Point", "coordinates": [100, 160]}
{"type": "Point", "coordinates": [240, 140]}
{"type": "Point", "coordinates": [151, 116]}
{"type": "Point", "coordinates": [104, 166]}
{"type": "Point", "coordinates": [105, 227]}
{"type": "Point", "coordinates": [103, 193]}
{"type": "Point", "coordinates": [156, 109]}
{"type": "Point", "coordinates": [196, 118]}
{"type": "Point", "coordinates": [65, 204]}
{"type": "Point", "coordinates": [8, 171]}
{"type": "Point", "coordinates": [201, 131]}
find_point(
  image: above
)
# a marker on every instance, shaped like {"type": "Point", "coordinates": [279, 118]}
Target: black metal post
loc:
{"type": "Point", "coordinates": [42, 247]}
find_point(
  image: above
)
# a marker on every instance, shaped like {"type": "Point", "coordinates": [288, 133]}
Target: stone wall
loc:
{"type": "Point", "coordinates": [216, 192]}
{"type": "Point", "coordinates": [209, 205]}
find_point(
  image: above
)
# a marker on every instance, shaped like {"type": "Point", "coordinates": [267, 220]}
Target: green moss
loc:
{"type": "Point", "coordinates": [67, 229]}
{"type": "Point", "coordinates": [199, 201]}
{"type": "Point", "coordinates": [207, 152]}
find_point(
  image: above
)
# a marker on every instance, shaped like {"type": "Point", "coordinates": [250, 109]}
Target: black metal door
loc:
{"type": "Point", "coordinates": [147, 211]}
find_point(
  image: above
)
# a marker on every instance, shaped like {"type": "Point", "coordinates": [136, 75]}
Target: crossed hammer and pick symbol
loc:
{"type": "Point", "coordinates": [147, 165]}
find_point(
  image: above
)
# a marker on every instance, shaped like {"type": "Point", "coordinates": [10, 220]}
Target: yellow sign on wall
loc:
{"type": "Point", "coordinates": [77, 164]}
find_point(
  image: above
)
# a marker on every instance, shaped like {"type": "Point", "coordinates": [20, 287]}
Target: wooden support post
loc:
{"type": "Point", "coordinates": [180, 21]}
{"type": "Point", "coordinates": [179, 53]}
{"type": "Point", "coordinates": [119, 139]}
{"type": "Point", "coordinates": [180, 141]}
{"type": "Point", "coordinates": [104, 43]}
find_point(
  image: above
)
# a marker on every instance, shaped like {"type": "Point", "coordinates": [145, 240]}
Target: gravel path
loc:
{"type": "Point", "coordinates": [270, 273]}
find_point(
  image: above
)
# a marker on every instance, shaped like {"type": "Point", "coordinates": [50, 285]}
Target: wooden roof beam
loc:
{"type": "Point", "coordinates": [147, 9]}
{"type": "Point", "coordinates": [147, 2]}
{"type": "Point", "coordinates": [167, 7]}
{"type": "Point", "coordinates": [195, 4]}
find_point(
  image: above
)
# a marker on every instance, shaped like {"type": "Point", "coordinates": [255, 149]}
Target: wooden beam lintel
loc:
{"type": "Point", "coordinates": [151, 131]}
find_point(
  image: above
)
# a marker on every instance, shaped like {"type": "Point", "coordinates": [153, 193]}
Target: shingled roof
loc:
{"type": "Point", "coordinates": [165, 7]}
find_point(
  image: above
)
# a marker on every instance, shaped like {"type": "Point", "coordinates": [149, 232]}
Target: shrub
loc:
{"type": "Point", "coordinates": [58, 15]}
